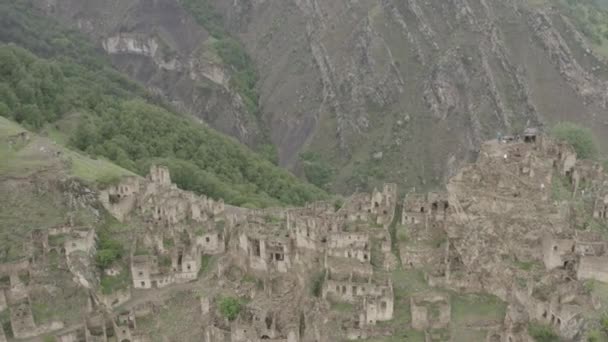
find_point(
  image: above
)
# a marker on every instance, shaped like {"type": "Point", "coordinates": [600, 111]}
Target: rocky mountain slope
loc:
{"type": "Point", "coordinates": [415, 86]}
{"type": "Point", "coordinates": [377, 90]}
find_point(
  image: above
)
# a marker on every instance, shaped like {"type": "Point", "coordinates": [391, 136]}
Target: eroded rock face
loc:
{"type": "Point", "coordinates": [160, 44]}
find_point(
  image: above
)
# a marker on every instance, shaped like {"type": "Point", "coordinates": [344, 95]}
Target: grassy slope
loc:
{"type": "Point", "coordinates": [22, 206]}
{"type": "Point", "coordinates": [40, 154]}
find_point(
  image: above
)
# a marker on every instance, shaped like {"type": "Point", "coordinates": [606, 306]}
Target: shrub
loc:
{"type": "Point", "coordinates": [579, 137]}
{"type": "Point", "coordinates": [604, 323]}
{"type": "Point", "coordinates": [317, 284]}
{"type": "Point", "coordinates": [230, 307]}
{"type": "Point", "coordinates": [49, 338]}
{"type": "Point", "coordinates": [338, 203]}
{"type": "Point", "coordinates": [109, 250]}
{"type": "Point", "coordinates": [109, 284]}
{"type": "Point", "coordinates": [542, 333]}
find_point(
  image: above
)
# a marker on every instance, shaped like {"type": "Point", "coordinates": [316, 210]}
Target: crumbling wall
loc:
{"type": "Point", "coordinates": [383, 203]}
{"type": "Point", "coordinates": [555, 250]}
{"type": "Point", "coordinates": [593, 267]}
{"type": "Point", "coordinates": [22, 319]}
{"type": "Point", "coordinates": [121, 199]}
{"type": "Point", "coordinates": [378, 308]}
{"type": "Point", "coordinates": [95, 329]}
{"type": "Point", "coordinates": [211, 243]}
{"type": "Point", "coordinates": [159, 175]}
{"type": "Point", "coordinates": [186, 263]}
{"type": "Point", "coordinates": [80, 240]}
{"type": "Point", "coordinates": [142, 268]}
{"type": "Point", "coordinates": [430, 311]}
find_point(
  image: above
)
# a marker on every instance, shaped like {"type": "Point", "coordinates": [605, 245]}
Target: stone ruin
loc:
{"type": "Point", "coordinates": [263, 242]}
{"type": "Point", "coordinates": [495, 221]}
{"type": "Point", "coordinates": [500, 209]}
{"type": "Point", "coordinates": [447, 227]}
{"type": "Point", "coordinates": [430, 311]}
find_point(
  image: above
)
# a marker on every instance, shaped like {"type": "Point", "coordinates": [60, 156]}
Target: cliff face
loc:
{"type": "Point", "coordinates": [161, 45]}
{"type": "Point", "coordinates": [368, 85]}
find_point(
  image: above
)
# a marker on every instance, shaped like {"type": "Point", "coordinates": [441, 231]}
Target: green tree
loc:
{"type": "Point", "coordinates": [5, 111]}
{"type": "Point", "coordinates": [31, 115]}
{"type": "Point", "coordinates": [8, 96]}
{"type": "Point", "coordinates": [230, 307]}
{"type": "Point", "coordinates": [579, 137]}
{"type": "Point", "coordinates": [317, 171]}
{"type": "Point", "coordinates": [109, 250]}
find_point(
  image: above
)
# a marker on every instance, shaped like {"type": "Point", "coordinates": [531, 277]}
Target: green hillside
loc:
{"type": "Point", "coordinates": [56, 82]}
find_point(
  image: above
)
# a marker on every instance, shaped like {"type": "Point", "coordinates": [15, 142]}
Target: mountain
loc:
{"type": "Point", "coordinates": [353, 93]}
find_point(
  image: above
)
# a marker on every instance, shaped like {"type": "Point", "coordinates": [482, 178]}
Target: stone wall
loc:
{"type": "Point", "coordinates": [555, 251]}
{"type": "Point", "coordinates": [22, 319]}
{"type": "Point", "coordinates": [592, 267]}
{"type": "Point", "coordinates": [430, 311]}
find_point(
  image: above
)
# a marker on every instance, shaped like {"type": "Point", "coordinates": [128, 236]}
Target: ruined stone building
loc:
{"type": "Point", "coordinates": [430, 311]}
{"type": "Point", "coordinates": [497, 229]}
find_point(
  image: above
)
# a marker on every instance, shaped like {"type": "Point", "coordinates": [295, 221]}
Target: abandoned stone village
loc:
{"type": "Point", "coordinates": [327, 271]}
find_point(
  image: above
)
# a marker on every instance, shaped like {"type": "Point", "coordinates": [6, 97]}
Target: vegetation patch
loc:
{"type": "Point", "coordinates": [317, 171]}
{"type": "Point", "coordinates": [230, 307]}
{"type": "Point", "coordinates": [342, 306]}
{"type": "Point", "coordinates": [109, 249]}
{"type": "Point", "coordinates": [579, 137]}
{"type": "Point", "coordinates": [110, 284]}
{"type": "Point", "coordinates": [5, 320]}
{"type": "Point", "coordinates": [542, 333]}
{"type": "Point", "coordinates": [44, 210]}
{"type": "Point", "coordinates": [560, 190]}
{"type": "Point", "coordinates": [206, 261]}
{"type": "Point", "coordinates": [316, 287]}
{"type": "Point", "coordinates": [472, 308]}
{"type": "Point", "coordinates": [42, 312]}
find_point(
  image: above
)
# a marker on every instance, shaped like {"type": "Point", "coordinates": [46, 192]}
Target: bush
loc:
{"type": "Point", "coordinates": [109, 250]}
{"type": "Point", "coordinates": [230, 307]}
{"type": "Point", "coordinates": [49, 338]}
{"type": "Point", "coordinates": [338, 203]}
{"type": "Point", "coordinates": [579, 137]}
{"type": "Point", "coordinates": [110, 284]}
{"type": "Point", "coordinates": [542, 333]}
{"type": "Point", "coordinates": [317, 284]}
{"type": "Point", "coordinates": [604, 323]}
